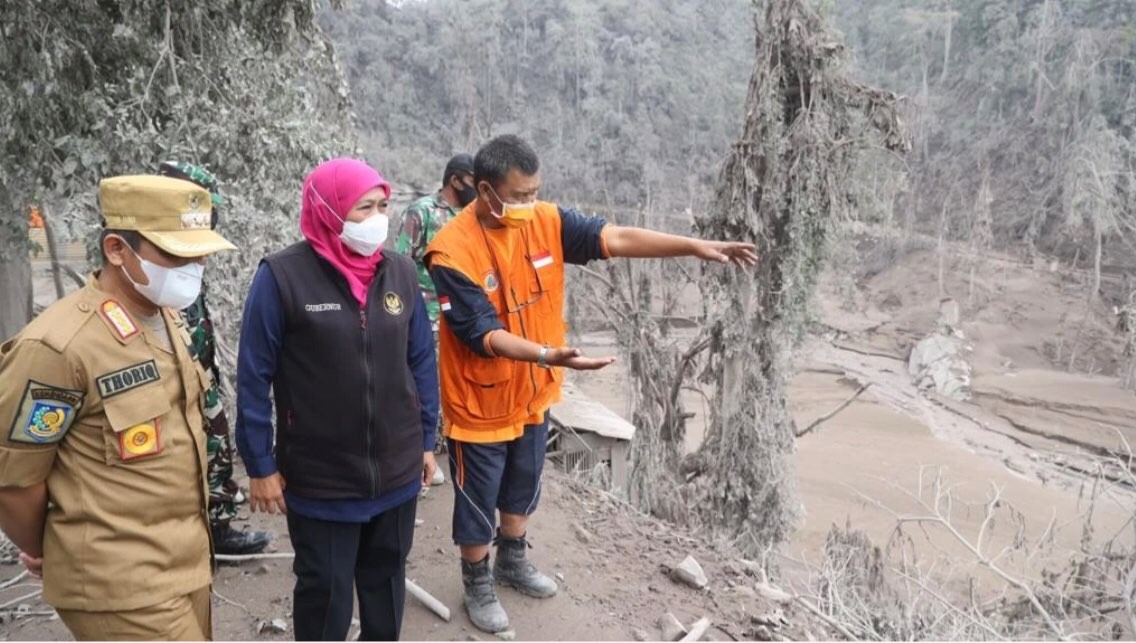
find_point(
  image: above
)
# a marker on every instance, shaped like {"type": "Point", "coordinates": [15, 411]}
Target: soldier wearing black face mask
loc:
{"type": "Point", "coordinates": [423, 218]}
{"type": "Point", "coordinates": [223, 490]}
{"type": "Point", "coordinates": [421, 221]}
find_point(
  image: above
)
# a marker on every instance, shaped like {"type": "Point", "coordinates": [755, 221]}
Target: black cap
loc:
{"type": "Point", "coordinates": [459, 164]}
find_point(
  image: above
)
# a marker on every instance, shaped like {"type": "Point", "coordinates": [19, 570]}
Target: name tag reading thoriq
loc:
{"type": "Point", "coordinates": [127, 379]}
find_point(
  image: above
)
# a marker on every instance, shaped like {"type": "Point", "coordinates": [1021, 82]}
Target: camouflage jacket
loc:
{"type": "Point", "coordinates": [204, 348]}
{"type": "Point", "coordinates": [420, 222]}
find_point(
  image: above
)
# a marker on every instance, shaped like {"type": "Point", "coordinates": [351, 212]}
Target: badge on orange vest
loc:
{"type": "Point", "coordinates": [490, 281]}
{"type": "Point", "coordinates": [392, 303]}
{"type": "Point", "coordinates": [119, 320]}
{"type": "Point", "coordinates": [542, 259]}
{"type": "Point", "coordinates": [139, 441]}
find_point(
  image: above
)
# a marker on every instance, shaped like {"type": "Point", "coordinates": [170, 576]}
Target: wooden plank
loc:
{"type": "Point", "coordinates": [583, 414]}
{"type": "Point", "coordinates": [70, 251]}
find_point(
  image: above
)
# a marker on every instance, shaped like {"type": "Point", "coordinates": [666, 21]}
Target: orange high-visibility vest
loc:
{"type": "Point", "coordinates": [522, 274]}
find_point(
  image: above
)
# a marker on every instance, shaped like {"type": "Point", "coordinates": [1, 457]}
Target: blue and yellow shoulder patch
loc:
{"type": "Point", "coordinates": [45, 414]}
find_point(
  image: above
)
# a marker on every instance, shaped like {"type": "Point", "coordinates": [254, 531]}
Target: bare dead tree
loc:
{"type": "Point", "coordinates": [781, 186]}
{"type": "Point", "coordinates": [657, 368]}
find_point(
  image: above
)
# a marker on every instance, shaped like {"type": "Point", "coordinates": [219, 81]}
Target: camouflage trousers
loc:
{"type": "Point", "coordinates": [219, 451]}
{"type": "Point", "coordinates": [439, 444]}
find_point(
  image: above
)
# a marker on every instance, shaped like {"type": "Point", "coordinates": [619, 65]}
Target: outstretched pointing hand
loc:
{"type": "Point", "coordinates": [726, 252]}
{"type": "Point", "coordinates": [574, 359]}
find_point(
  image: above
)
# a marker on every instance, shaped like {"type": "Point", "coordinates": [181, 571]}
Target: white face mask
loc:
{"type": "Point", "coordinates": [175, 288]}
{"type": "Point", "coordinates": [366, 237]}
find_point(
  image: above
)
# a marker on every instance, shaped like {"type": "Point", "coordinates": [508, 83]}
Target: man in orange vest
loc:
{"type": "Point", "coordinates": [498, 267]}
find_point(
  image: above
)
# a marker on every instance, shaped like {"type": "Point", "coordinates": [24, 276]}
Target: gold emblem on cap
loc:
{"type": "Point", "coordinates": [195, 220]}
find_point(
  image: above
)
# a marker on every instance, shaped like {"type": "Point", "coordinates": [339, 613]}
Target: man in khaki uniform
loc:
{"type": "Point", "coordinates": [102, 452]}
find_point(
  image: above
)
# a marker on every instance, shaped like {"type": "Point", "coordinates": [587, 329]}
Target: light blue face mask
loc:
{"type": "Point", "coordinates": [365, 237]}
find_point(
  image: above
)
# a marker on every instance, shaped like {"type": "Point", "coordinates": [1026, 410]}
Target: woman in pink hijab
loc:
{"type": "Point", "coordinates": [338, 333]}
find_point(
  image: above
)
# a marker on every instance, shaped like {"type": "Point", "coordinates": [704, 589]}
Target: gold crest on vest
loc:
{"type": "Point", "coordinates": [392, 303]}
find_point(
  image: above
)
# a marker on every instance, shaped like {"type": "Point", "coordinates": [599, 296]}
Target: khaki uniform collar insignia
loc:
{"type": "Point", "coordinates": [118, 320]}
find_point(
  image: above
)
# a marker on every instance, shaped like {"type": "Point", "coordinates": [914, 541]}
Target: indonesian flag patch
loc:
{"type": "Point", "coordinates": [444, 302]}
{"type": "Point", "coordinates": [542, 259]}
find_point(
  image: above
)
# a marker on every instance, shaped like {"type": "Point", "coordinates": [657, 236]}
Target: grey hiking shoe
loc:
{"type": "Point", "coordinates": [514, 570]}
{"type": "Point", "coordinates": [481, 598]}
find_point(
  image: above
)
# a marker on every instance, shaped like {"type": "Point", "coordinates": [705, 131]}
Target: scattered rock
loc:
{"type": "Point", "coordinates": [761, 633]}
{"type": "Point", "coordinates": [560, 577]}
{"type": "Point", "coordinates": [772, 593]}
{"type": "Point", "coordinates": [774, 619]}
{"type": "Point", "coordinates": [938, 363]}
{"type": "Point", "coordinates": [746, 591]}
{"type": "Point", "coordinates": [507, 635]}
{"type": "Point", "coordinates": [440, 550]}
{"type": "Point", "coordinates": [418, 522]}
{"type": "Point", "coordinates": [690, 572]}
{"type": "Point", "coordinates": [275, 626]}
{"type": "Point", "coordinates": [583, 535]}
{"type": "Point", "coordinates": [672, 628]}
{"type": "Point", "coordinates": [262, 569]}
{"type": "Point", "coordinates": [753, 568]}
{"type": "Point", "coordinates": [640, 635]}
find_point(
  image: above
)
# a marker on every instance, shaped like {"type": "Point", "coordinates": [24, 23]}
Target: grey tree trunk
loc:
{"type": "Point", "coordinates": [15, 294]}
{"type": "Point", "coordinates": [53, 250]}
{"type": "Point", "coordinates": [781, 186]}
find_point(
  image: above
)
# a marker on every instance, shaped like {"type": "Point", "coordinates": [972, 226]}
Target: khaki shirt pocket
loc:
{"type": "Point", "coordinates": [134, 426]}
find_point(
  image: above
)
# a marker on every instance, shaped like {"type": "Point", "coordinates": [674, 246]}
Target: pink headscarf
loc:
{"type": "Point", "coordinates": [329, 192]}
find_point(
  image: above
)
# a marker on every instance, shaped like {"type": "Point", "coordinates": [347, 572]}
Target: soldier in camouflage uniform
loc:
{"type": "Point", "coordinates": [423, 218]}
{"type": "Point", "coordinates": [223, 490]}
{"type": "Point", "coordinates": [420, 222]}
